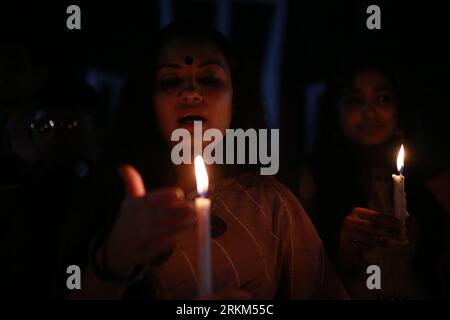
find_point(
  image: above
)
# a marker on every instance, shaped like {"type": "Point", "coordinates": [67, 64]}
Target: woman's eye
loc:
{"type": "Point", "coordinates": [170, 82]}
{"type": "Point", "coordinates": [210, 81]}
{"type": "Point", "coordinates": [385, 98]}
{"type": "Point", "coordinates": [353, 103]}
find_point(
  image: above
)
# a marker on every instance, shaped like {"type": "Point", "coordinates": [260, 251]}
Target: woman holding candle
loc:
{"type": "Point", "coordinates": [261, 241]}
{"type": "Point", "coordinates": [348, 190]}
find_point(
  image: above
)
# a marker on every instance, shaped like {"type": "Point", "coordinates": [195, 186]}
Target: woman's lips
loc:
{"type": "Point", "coordinates": [190, 119]}
{"type": "Point", "coordinates": [187, 122]}
{"type": "Point", "coordinates": [371, 128]}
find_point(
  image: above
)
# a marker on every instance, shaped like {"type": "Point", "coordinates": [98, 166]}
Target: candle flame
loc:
{"type": "Point", "coordinates": [401, 159]}
{"type": "Point", "coordinates": [201, 176]}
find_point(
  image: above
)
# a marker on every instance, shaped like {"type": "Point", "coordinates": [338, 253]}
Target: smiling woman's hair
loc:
{"type": "Point", "coordinates": [135, 137]}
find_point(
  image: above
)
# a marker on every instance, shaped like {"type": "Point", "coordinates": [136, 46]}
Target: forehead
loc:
{"type": "Point", "coordinates": [371, 78]}
{"type": "Point", "coordinates": [178, 49]}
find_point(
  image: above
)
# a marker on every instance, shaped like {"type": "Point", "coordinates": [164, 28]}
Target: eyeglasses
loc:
{"type": "Point", "coordinates": [45, 126]}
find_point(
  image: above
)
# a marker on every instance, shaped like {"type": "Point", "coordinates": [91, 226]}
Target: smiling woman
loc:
{"type": "Point", "coordinates": [368, 108]}
{"type": "Point", "coordinates": [347, 189]}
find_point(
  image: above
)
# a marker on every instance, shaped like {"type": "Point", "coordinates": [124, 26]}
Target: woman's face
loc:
{"type": "Point", "coordinates": [193, 82]}
{"type": "Point", "coordinates": [368, 109]}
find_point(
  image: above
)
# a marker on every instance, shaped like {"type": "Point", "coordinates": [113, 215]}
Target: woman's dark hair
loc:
{"type": "Point", "coordinates": [135, 136]}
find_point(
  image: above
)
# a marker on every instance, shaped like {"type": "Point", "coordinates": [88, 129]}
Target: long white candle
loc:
{"type": "Point", "coordinates": [400, 197]}
{"type": "Point", "coordinates": [202, 207]}
{"type": "Point", "coordinates": [401, 212]}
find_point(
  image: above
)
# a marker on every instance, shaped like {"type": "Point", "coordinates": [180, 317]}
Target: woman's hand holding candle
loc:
{"type": "Point", "coordinates": [363, 230]}
{"type": "Point", "coordinates": [146, 225]}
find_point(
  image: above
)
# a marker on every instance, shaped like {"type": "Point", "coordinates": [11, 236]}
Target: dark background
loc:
{"type": "Point", "coordinates": [313, 38]}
